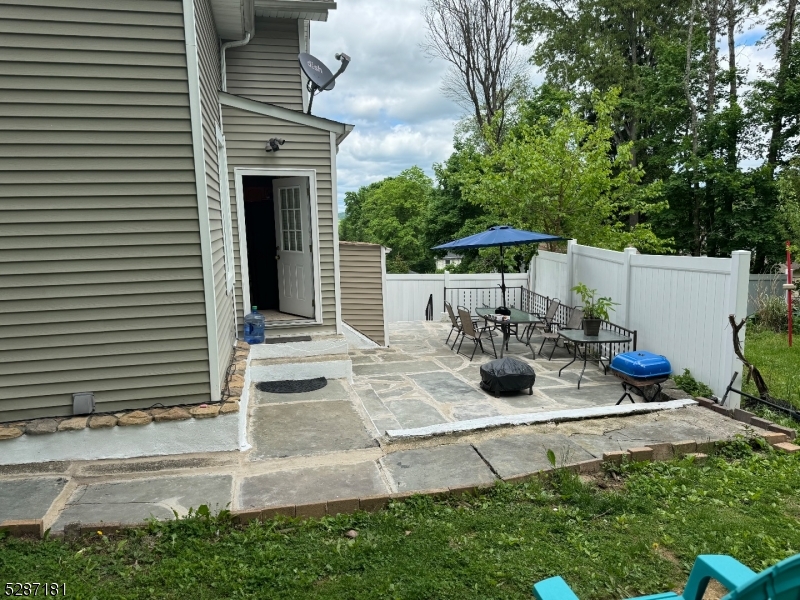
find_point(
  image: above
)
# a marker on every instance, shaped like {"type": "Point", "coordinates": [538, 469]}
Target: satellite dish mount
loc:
{"type": "Point", "coordinates": [320, 78]}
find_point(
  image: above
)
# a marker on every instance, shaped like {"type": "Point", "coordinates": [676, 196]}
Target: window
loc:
{"type": "Point", "coordinates": [291, 226]}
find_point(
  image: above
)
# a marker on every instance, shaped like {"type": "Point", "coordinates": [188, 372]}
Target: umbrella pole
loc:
{"type": "Point", "coordinates": [502, 276]}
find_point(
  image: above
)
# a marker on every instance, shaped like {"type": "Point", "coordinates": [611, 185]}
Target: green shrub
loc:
{"type": "Point", "coordinates": [771, 313]}
{"type": "Point", "coordinates": [690, 385]}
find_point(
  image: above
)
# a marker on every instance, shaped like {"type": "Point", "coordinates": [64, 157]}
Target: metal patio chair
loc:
{"type": "Point", "coordinates": [574, 322]}
{"type": "Point", "coordinates": [546, 323]}
{"type": "Point", "coordinates": [455, 322]}
{"type": "Point", "coordinates": [471, 330]}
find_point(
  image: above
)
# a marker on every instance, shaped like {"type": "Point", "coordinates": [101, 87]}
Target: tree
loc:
{"type": "Point", "coordinates": [786, 78]}
{"type": "Point", "coordinates": [392, 213]}
{"type": "Point", "coordinates": [477, 38]}
{"type": "Point", "coordinates": [594, 46]}
{"type": "Point", "coordinates": [788, 214]}
{"type": "Point", "coordinates": [562, 178]}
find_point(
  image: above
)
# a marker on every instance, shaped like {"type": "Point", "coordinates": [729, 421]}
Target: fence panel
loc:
{"type": "Point", "coordinates": [770, 284]}
{"type": "Point", "coordinates": [550, 275]}
{"type": "Point", "coordinates": [601, 270]}
{"type": "Point", "coordinates": [407, 296]}
{"type": "Point", "coordinates": [680, 307]}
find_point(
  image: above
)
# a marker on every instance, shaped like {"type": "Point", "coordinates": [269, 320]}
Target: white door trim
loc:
{"type": "Point", "coordinates": [239, 173]}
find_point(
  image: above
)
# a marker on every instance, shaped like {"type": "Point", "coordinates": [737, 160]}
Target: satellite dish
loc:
{"type": "Point", "coordinates": [316, 71]}
{"type": "Point", "coordinates": [320, 78]}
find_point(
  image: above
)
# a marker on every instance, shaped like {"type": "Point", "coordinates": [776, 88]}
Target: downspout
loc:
{"type": "Point", "coordinates": [222, 68]}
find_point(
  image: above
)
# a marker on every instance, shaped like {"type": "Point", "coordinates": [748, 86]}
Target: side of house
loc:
{"type": "Point", "coordinates": [125, 173]}
{"type": "Point", "coordinates": [101, 269]}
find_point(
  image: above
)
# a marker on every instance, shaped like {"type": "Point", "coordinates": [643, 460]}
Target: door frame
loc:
{"type": "Point", "coordinates": [239, 173]}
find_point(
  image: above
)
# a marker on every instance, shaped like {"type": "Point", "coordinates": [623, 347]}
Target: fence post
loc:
{"type": "Point", "coordinates": [532, 274]}
{"type": "Point", "coordinates": [446, 285]}
{"type": "Point", "coordinates": [625, 292]}
{"type": "Point", "coordinates": [570, 272]}
{"type": "Point", "coordinates": [737, 305]}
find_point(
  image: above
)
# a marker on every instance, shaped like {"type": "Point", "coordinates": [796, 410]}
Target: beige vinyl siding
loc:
{"type": "Point", "coordinates": [101, 284]}
{"type": "Point", "coordinates": [361, 278]}
{"type": "Point", "coordinates": [209, 71]}
{"type": "Point", "coordinates": [246, 134]}
{"type": "Point", "coordinates": [266, 69]}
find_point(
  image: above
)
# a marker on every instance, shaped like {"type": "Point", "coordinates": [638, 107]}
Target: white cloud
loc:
{"type": "Point", "coordinates": [390, 91]}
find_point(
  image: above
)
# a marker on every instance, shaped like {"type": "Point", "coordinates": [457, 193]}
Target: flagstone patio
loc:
{"type": "Point", "coordinates": [419, 381]}
{"type": "Point", "coordinates": [326, 451]}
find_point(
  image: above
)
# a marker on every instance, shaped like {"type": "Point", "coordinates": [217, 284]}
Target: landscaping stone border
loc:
{"type": "Point", "coordinates": [656, 452]}
{"type": "Point", "coordinates": [231, 395]}
{"type": "Point", "coordinates": [749, 418]}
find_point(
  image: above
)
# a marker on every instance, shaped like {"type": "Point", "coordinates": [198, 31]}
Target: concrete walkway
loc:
{"type": "Point", "coordinates": [326, 446]}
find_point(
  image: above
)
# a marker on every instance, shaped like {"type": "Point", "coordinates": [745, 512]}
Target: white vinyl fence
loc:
{"type": "Point", "coordinates": [407, 295]}
{"type": "Point", "coordinates": [678, 305]}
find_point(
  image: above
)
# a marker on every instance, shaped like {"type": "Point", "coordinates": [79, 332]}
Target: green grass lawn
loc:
{"type": "Point", "coordinates": [611, 537]}
{"type": "Point", "coordinates": [779, 364]}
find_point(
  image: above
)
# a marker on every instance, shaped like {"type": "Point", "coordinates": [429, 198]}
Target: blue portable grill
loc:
{"type": "Point", "coordinates": [639, 370]}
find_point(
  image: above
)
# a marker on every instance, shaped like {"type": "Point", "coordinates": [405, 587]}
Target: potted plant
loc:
{"type": "Point", "coordinates": [594, 311]}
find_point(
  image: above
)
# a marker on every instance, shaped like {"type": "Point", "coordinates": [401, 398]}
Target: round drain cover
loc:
{"type": "Point", "coordinates": [292, 386]}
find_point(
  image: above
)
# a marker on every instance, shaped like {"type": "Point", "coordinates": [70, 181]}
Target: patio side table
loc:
{"type": "Point", "coordinates": [515, 318]}
{"type": "Point", "coordinates": [578, 338]}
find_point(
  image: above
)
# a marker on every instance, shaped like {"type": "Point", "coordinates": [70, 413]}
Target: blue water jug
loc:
{"type": "Point", "coordinates": [254, 327]}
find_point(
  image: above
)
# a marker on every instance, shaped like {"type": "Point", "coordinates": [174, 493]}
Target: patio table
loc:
{"type": "Point", "coordinates": [579, 338]}
{"type": "Point", "coordinates": [515, 318]}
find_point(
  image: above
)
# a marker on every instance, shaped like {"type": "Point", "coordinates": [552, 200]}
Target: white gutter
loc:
{"type": "Point", "coordinates": [222, 66]}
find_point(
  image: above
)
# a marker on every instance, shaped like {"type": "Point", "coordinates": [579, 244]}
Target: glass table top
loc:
{"type": "Point", "coordinates": [516, 316]}
{"type": "Point", "coordinates": [604, 336]}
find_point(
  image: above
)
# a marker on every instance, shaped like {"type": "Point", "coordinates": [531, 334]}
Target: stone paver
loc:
{"type": "Point", "coordinates": [28, 498]}
{"type": "Point", "coordinates": [661, 431]}
{"type": "Point", "coordinates": [280, 430]}
{"type": "Point", "coordinates": [520, 454]}
{"type": "Point", "coordinates": [135, 501]}
{"type": "Point", "coordinates": [400, 368]}
{"type": "Point", "coordinates": [316, 484]}
{"type": "Point", "coordinates": [413, 412]}
{"type": "Point", "coordinates": [591, 394]}
{"type": "Point", "coordinates": [447, 388]}
{"type": "Point", "coordinates": [433, 468]}
{"type": "Point", "coordinates": [597, 445]}
{"type": "Point", "coordinates": [335, 390]}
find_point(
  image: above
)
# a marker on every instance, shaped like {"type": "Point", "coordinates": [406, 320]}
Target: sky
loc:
{"type": "Point", "coordinates": [391, 91]}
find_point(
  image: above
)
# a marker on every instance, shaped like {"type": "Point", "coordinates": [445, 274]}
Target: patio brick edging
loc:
{"type": "Point", "coordinates": [655, 452]}
{"type": "Point", "coordinates": [131, 418]}
{"type": "Point", "coordinates": [748, 418]}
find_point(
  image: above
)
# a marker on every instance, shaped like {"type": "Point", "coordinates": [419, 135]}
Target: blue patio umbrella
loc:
{"type": "Point", "coordinates": [499, 235]}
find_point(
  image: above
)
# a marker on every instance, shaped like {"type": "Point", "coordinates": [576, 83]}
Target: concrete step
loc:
{"type": "Point", "coordinates": [331, 344]}
{"type": "Point", "coordinates": [333, 368]}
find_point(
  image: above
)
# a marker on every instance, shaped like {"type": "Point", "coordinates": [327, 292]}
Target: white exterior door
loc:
{"type": "Point", "coordinates": [294, 246]}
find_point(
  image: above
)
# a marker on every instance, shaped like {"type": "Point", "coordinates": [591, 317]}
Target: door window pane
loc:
{"type": "Point", "coordinates": [291, 220]}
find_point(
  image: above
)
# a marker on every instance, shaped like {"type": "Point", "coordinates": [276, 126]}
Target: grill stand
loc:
{"type": "Point", "coordinates": [629, 384]}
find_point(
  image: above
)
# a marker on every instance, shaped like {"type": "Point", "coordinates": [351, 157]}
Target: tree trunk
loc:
{"type": "Point", "coordinates": [783, 65]}
{"type": "Point", "coordinates": [687, 88]}
{"type": "Point", "coordinates": [733, 99]}
{"type": "Point", "coordinates": [713, 29]}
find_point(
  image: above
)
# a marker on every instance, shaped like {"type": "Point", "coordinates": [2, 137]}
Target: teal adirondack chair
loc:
{"type": "Point", "coordinates": [781, 582]}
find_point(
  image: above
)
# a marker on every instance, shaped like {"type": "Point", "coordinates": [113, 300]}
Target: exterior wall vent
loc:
{"type": "Point", "coordinates": [83, 403]}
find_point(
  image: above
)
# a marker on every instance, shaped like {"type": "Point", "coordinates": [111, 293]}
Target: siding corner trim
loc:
{"type": "Point", "coordinates": [193, 71]}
